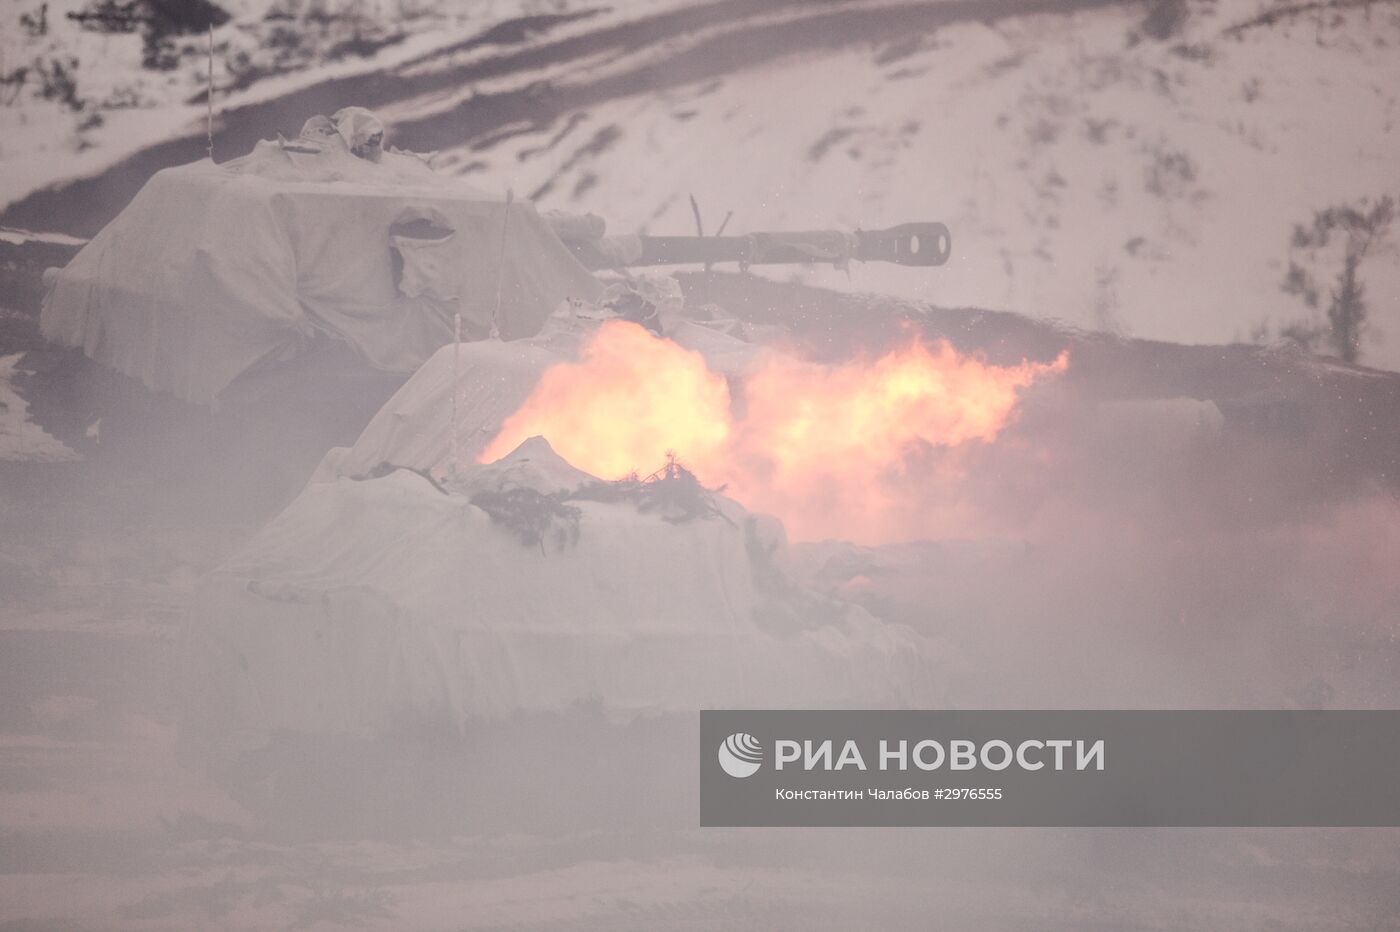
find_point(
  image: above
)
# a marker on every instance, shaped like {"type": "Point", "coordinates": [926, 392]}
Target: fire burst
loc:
{"type": "Point", "coordinates": [825, 448]}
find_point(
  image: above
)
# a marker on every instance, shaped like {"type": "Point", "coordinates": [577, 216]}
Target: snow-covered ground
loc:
{"type": "Point", "coordinates": [1150, 189]}
{"type": "Point", "coordinates": [118, 107]}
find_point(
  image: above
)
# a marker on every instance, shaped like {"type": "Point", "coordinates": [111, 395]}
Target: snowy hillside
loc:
{"type": "Point", "coordinates": [77, 95]}
{"type": "Point", "coordinates": [1150, 189]}
{"type": "Point", "coordinates": [1091, 172]}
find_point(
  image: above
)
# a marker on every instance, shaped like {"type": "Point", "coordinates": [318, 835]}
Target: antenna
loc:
{"type": "Point", "coordinates": [209, 96]}
{"type": "Point", "coordinates": [456, 355]}
{"type": "Point", "coordinates": [501, 267]}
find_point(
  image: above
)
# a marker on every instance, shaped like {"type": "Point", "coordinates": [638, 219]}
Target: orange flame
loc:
{"type": "Point", "coordinates": [629, 399]}
{"type": "Point", "coordinates": [829, 449]}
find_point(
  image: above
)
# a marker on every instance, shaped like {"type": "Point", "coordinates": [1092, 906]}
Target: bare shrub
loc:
{"type": "Point", "coordinates": [1165, 19]}
{"type": "Point", "coordinates": [1170, 173]}
{"type": "Point", "coordinates": [158, 21]}
{"type": "Point", "coordinates": [1357, 230]}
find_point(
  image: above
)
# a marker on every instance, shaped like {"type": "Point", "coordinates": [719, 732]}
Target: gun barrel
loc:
{"type": "Point", "coordinates": [913, 244]}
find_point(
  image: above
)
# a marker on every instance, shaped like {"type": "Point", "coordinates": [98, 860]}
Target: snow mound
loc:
{"type": "Point", "coordinates": [532, 465]}
{"type": "Point", "coordinates": [371, 602]}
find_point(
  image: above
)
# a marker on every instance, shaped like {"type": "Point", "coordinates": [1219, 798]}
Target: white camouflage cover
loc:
{"type": "Point", "coordinates": [213, 269]}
